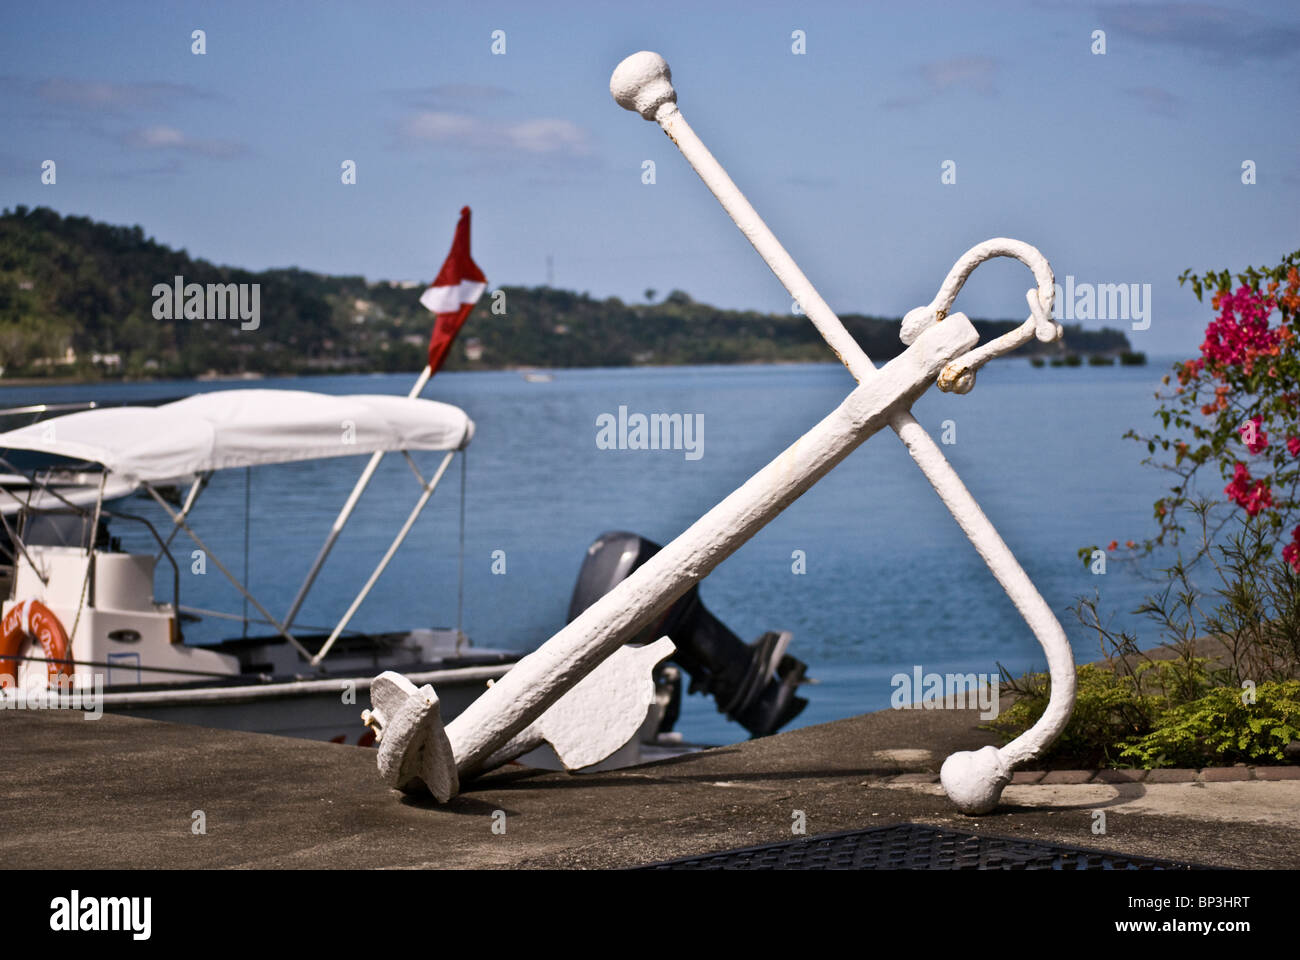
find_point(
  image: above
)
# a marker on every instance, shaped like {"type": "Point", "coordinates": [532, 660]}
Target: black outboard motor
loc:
{"type": "Point", "coordinates": [754, 684]}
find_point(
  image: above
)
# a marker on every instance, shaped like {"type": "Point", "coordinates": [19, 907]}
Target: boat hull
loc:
{"type": "Point", "coordinates": [311, 710]}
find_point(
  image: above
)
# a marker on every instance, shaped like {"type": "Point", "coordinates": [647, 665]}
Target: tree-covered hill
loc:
{"type": "Point", "coordinates": [77, 298]}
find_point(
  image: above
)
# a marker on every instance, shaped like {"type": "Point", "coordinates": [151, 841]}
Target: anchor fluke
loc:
{"type": "Point", "coordinates": [754, 684]}
{"type": "Point", "coordinates": [599, 715]}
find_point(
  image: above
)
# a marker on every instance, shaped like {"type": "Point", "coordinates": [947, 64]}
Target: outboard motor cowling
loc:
{"type": "Point", "coordinates": [753, 684]}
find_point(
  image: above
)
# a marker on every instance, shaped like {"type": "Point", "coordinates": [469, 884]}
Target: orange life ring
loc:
{"type": "Point", "coordinates": [33, 620]}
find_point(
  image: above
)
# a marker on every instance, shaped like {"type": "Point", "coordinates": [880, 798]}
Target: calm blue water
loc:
{"type": "Point", "coordinates": [890, 583]}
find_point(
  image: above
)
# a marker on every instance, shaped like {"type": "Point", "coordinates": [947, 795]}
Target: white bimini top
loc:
{"type": "Point", "coordinates": [243, 428]}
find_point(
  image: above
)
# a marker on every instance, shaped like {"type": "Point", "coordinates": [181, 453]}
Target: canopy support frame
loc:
{"type": "Point", "coordinates": [197, 487]}
{"type": "Point", "coordinates": [184, 525]}
{"type": "Point", "coordinates": [345, 513]}
{"type": "Point", "coordinates": [414, 515]}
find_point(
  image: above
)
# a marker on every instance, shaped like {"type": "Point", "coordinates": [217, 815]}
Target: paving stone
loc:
{"type": "Point", "coordinates": [1027, 776]}
{"type": "Point", "coordinates": [1277, 773]}
{"type": "Point", "coordinates": [1068, 776]}
{"type": "Point", "coordinates": [1120, 776]}
{"type": "Point", "coordinates": [1171, 776]}
{"type": "Point", "coordinates": [916, 778]}
{"type": "Point", "coordinates": [1225, 774]}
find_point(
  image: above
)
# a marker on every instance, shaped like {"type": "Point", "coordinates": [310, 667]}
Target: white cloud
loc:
{"type": "Point", "coordinates": [159, 137]}
{"type": "Point", "coordinates": [544, 135]}
{"type": "Point", "coordinates": [1155, 100]}
{"type": "Point", "coordinates": [548, 136]}
{"type": "Point", "coordinates": [1226, 34]}
{"type": "Point", "coordinates": [162, 137]}
{"type": "Point", "coordinates": [975, 74]}
{"type": "Point", "coordinates": [436, 126]}
{"type": "Point", "coordinates": [100, 95]}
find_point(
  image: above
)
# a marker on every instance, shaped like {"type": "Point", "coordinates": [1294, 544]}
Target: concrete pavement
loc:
{"type": "Point", "coordinates": [123, 792]}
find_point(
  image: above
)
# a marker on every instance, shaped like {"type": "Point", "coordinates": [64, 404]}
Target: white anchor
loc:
{"type": "Point", "coordinates": [596, 717]}
{"type": "Point", "coordinates": [414, 747]}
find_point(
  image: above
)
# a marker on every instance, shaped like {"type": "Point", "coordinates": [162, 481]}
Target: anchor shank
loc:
{"type": "Point", "coordinates": [540, 679]}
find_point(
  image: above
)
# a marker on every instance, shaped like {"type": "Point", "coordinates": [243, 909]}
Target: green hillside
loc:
{"type": "Point", "coordinates": [71, 284]}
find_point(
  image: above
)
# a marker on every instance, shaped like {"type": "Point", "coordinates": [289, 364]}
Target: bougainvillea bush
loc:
{"type": "Point", "coordinates": [1235, 410]}
{"type": "Point", "coordinates": [1229, 435]}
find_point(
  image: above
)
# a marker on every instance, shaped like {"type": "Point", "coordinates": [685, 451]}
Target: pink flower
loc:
{"type": "Point", "coordinates": [1293, 444]}
{"type": "Point", "coordinates": [1190, 369]}
{"type": "Point", "coordinates": [1253, 435]}
{"type": "Point", "coordinates": [1250, 494]}
{"type": "Point", "coordinates": [1241, 332]}
{"type": "Point", "coordinates": [1291, 552]}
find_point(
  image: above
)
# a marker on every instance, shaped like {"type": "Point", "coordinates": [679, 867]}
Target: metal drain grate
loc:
{"type": "Point", "coordinates": [912, 846]}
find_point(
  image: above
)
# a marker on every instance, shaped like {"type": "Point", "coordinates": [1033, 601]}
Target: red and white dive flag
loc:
{"type": "Point", "coordinates": [453, 294]}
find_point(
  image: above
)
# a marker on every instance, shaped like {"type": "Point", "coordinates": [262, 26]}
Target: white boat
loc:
{"type": "Point", "coordinates": [119, 635]}
{"type": "Point", "coordinates": [66, 569]}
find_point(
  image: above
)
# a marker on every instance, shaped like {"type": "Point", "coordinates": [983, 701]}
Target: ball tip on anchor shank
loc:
{"type": "Point", "coordinates": [643, 83]}
{"type": "Point", "coordinates": [974, 779]}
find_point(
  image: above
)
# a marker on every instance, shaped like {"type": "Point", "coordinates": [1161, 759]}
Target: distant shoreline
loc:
{"type": "Point", "coordinates": [1153, 361]}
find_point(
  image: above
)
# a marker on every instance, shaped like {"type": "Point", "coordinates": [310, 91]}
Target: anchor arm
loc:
{"type": "Point", "coordinates": [600, 714]}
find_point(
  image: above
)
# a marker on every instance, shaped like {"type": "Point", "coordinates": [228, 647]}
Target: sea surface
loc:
{"type": "Point", "coordinates": [890, 583]}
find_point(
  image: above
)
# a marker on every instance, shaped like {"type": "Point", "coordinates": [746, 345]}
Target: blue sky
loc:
{"type": "Point", "coordinates": [1121, 168]}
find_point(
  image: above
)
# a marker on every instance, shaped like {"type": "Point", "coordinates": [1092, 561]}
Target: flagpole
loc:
{"type": "Point", "coordinates": [349, 505]}
{"type": "Point", "coordinates": [446, 299]}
